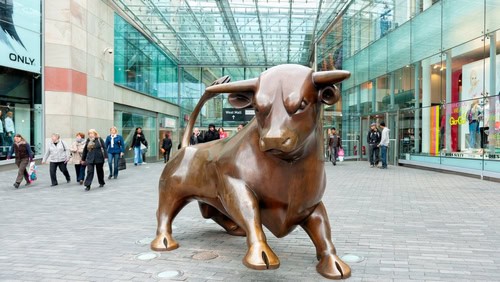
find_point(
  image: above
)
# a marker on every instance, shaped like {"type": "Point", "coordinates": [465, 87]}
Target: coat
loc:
{"type": "Point", "coordinates": [56, 153]}
{"type": "Point", "coordinates": [138, 140]}
{"type": "Point", "coordinates": [21, 150]}
{"type": "Point", "coordinates": [76, 152]}
{"type": "Point", "coordinates": [115, 147]}
{"type": "Point", "coordinates": [94, 152]}
{"type": "Point", "coordinates": [166, 144]}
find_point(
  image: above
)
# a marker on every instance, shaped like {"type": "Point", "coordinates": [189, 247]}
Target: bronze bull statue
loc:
{"type": "Point", "coordinates": [271, 173]}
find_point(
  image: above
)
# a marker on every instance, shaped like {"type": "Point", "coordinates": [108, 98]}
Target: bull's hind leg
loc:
{"type": "Point", "coordinates": [317, 227]}
{"type": "Point", "coordinates": [168, 207]}
{"type": "Point", "coordinates": [207, 211]}
{"type": "Point", "coordinates": [243, 207]}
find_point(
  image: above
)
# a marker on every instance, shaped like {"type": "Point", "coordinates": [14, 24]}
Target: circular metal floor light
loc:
{"type": "Point", "coordinates": [147, 256]}
{"type": "Point", "coordinates": [170, 274]}
{"type": "Point", "coordinates": [352, 258]}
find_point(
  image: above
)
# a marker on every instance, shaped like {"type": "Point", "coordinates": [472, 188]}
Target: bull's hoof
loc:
{"type": "Point", "coordinates": [260, 257]}
{"type": "Point", "coordinates": [333, 267]}
{"type": "Point", "coordinates": [162, 243]}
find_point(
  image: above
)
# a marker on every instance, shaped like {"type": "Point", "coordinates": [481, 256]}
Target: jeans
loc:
{"type": "Point", "coordinates": [80, 172]}
{"type": "Point", "coordinates": [62, 167]}
{"type": "Point", "coordinates": [383, 155]}
{"type": "Point", "coordinates": [334, 154]}
{"type": "Point", "coordinates": [473, 130]}
{"type": "Point", "coordinates": [113, 159]}
{"type": "Point", "coordinates": [373, 151]}
{"type": "Point", "coordinates": [137, 155]}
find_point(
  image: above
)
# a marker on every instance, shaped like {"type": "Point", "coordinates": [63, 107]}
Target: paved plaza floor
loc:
{"type": "Point", "coordinates": [405, 224]}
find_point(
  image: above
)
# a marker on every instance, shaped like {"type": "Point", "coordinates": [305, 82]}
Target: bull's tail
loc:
{"type": "Point", "coordinates": [194, 115]}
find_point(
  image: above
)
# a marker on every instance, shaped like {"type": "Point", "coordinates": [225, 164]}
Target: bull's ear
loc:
{"type": "Point", "coordinates": [241, 100]}
{"type": "Point", "coordinates": [328, 78]}
{"type": "Point", "coordinates": [329, 95]}
{"type": "Point", "coordinates": [241, 92]}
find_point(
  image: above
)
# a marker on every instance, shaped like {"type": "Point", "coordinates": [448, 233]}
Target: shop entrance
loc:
{"type": "Point", "coordinates": [391, 122]}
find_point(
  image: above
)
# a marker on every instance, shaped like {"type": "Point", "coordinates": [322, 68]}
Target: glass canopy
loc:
{"type": "Point", "coordinates": [234, 32]}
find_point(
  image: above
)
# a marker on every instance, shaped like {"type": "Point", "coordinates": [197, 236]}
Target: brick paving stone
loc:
{"type": "Point", "coordinates": [408, 224]}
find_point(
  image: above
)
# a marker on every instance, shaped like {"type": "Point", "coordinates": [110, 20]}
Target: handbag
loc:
{"type": "Point", "coordinates": [144, 149]}
{"type": "Point", "coordinates": [32, 171]}
{"type": "Point", "coordinates": [122, 164]}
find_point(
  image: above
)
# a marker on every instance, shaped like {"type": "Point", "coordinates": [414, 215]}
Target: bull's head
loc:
{"type": "Point", "coordinates": [287, 101]}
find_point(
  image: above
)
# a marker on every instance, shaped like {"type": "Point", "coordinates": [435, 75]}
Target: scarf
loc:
{"type": "Point", "coordinates": [91, 144]}
{"type": "Point", "coordinates": [113, 136]}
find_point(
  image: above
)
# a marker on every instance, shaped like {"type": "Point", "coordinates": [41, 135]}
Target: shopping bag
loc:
{"type": "Point", "coordinates": [122, 164]}
{"type": "Point", "coordinates": [32, 171]}
{"type": "Point", "coordinates": [341, 154]}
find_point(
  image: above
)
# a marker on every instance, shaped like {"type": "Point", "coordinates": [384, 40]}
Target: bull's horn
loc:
{"type": "Point", "coordinates": [327, 78]}
{"type": "Point", "coordinates": [248, 85]}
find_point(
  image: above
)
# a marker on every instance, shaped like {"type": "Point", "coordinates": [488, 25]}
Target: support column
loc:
{"type": "Point", "coordinates": [392, 90]}
{"type": "Point", "coordinates": [492, 92]}
{"type": "Point", "coordinates": [374, 95]}
{"type": "Point", "coordinates": [416, 123]}
{"type": "Point", "coordinates": [448, 100]}
{"type": "Point", "coordinates": [426, 103]}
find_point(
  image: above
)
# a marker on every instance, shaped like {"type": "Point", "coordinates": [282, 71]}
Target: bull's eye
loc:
{"type": "Point", "coordinates": [303, 106]}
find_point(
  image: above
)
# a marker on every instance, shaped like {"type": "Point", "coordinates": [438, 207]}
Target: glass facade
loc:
{"type": "Point", "coordinates": [141, 66]}
{"type": "Point", "coordinates": [432, 76]}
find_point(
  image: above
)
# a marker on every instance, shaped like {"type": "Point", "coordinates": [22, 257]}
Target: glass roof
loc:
{"type": "Point", "coordinates": [234, 32]}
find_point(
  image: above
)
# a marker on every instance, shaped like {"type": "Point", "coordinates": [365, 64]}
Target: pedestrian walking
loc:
{"type": "Point", "coordinates": [384, 144]}
{"type": "Point", "coordinates": [166, 147]}
{"type": "Point", "coordinates": [373, 139]}
{"type": "Point", "coordinates": [115, 147]}
{"type": "Point", "coordinates": [94, 155]}
{"type": "Point", "coordinates": [334, 143]}
{"type": "Point", "coordinates": [139, 143]}
{"type": "Point", "coordinates": [76, 157]}
{"type": "Point", "coordinates": [23, 154]}
{"type": "Point", "coordinates": [57, 154]}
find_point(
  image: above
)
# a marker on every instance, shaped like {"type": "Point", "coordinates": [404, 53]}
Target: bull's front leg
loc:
{"type": "Point", "coordinates": [317, 227]}
{"type": "Point", "coordinates": [241, 203]}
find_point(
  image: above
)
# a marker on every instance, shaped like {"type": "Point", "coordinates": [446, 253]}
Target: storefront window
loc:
{"type": "Point", "coordinates": [20, 109]}
{"type": "Point", "coordinates": [128, 119]}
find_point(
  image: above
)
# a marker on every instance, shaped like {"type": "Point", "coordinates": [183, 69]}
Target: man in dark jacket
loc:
{"type": "Point", "coordinates": [166, 146]}
{"type": "Point", "coordinates": [334, 144]}
{"type": "Point", "coordinates": [211, 134]}
{"type": "Point", "coordinates": [373, 140]}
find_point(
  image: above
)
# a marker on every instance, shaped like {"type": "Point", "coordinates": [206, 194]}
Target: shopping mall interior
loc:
{"type": "Point", "coordinates": [418, 65]}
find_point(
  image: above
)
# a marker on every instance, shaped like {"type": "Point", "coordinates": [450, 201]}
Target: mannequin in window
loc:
{"type": "Point", "coordinates": [473, 116]}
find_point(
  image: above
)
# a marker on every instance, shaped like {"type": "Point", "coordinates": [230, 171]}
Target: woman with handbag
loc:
{"type": "Point", "coordinates": [139, 144]}
{"type": "Point", "coordinates": [114, 146]}
{"type": "Point", "coordinates": [94, 155]}
{"type": "Point", "coordinates": [76, 156]}
{"type": "Point", "coordinates": [24, 155]}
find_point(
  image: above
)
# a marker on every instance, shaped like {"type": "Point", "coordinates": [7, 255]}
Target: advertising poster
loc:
{"type": "Point", "coordinates": [20, 33]}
